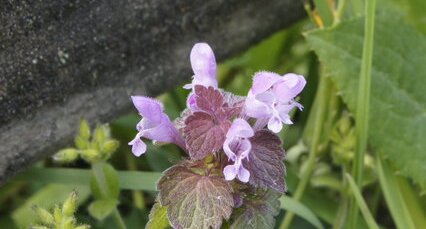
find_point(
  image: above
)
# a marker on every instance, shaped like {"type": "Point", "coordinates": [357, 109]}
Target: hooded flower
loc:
{"type": "Point", "coordinates": [271, 98]}
{"type": "Point", "coordinates": [203, 65]}
{"type": "Point", "coordinates": [155, 125]}
{"type": "Point", "coordinates": [237, 147]}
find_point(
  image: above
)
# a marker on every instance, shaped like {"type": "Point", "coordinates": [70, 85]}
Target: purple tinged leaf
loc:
{"type": "Point", "coordinates": [208, 99]}
{"type": "Point", "coordinates": [266, 161]}
{"type": "Point", "coordinates": [194, 201]}
{"type": "Point", "coordinates": [204, 134]}
{"type": "Point", "coordinates": [257, 212]}
{"type": "Point", "coordinates": [206, 128]}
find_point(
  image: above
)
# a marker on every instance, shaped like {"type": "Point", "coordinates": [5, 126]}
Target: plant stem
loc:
{"type": "Point", "coordinates": [363, 104]}
{"type": "Point", "coordinates": [138, 199]}
{"type": "Point", "coordinates": [342, 212]}
{"type": "Point", "coordinates": [322, 95]}
{"type": "Point", "coordinates": [339, 12]}
{"type": "Point", "coordinates": [118, 220]}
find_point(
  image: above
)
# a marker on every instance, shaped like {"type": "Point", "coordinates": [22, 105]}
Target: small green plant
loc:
{"type": "Point", "coordinates": [62, 216]}
{"type": "Point", "coordinates": [96, 147]}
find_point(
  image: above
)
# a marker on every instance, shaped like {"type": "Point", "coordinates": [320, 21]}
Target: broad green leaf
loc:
{"type": "Point", "coordinates": [414, 12]}
{"type": "Point", "coordinates": [401, 199]}
{"type": "Point", "coordinates": [195, 201]}
{"type": "Point", "coordinates": [47, 198]}
{"type": "Point", "coordinates": [104, 181]}
{"type": "Point", "coordinates": [100, 209]}
{"type": "Point", "coordinates": [158, 217]}
{"type": "Point", "coordinates": [301, 210]}
{"type": "Point", "coordinates": [398, 101]}
{"type": "Point", "coordinates": [257, 212]}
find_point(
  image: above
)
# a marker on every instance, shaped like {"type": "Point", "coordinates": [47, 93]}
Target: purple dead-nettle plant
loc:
{"type": "Point", "coordinates": [234, 170]}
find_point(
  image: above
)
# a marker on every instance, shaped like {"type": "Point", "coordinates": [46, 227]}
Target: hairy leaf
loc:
{"type": "Point", "coordinates": [204, 134]}
{"type": "Point", "coordinates": [100, 209]}
{"type": "Point", "coordinates": [265, 161]}
{"type": "Point", "coordinates": [158, 217]}
{"type": "Point", "coordinates": [195, 201]}
{"type": "Point", "coordinates": [258, 211]}
{"type": "Point", "coordinates": [208, 99]}
{"type": "Point", "coordinates": [398, 100]}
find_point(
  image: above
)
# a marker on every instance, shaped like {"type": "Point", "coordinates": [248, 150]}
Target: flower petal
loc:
{"type": "Point", "coordinates": [138, 146]}
{"type": "Point", "coordinates": [289, 87]}
{"type": "Point", "coordinates": [203, 64]}
{"type": "Point", "coordinates": [240, 128]}
{"type": "Point", "coordinates": [255, 108]}
{"type": "Point", "coordinates": [275, 124]}
{"type": "Point", "coordinates": [230, 172]}
{"type": "Point", "coordinates": [148, 108]}
{"type": "Point", "coordinates": [262, 81]}
{"type": "Point", "coordinates": [191, 102]}
{"type": "Point", "coordinates": [243, 174]}
{"type": "Point", "coordinates": [227, 149]}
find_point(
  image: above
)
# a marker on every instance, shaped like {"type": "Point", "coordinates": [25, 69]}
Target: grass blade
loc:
{"type": "Point", "coordinates": [129, 180]}
{"type": "Point", "coordinates": [361, 204]}
{"type": "Point", "coordinates": [301, 210]}
{"type": "Point", "coordinates": [400, 198]}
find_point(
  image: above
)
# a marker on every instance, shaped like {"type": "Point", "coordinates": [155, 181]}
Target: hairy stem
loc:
{"type": "Point", "coordinates": [322, 95]}
{"type": "Point", "coordinates": [363, 104]}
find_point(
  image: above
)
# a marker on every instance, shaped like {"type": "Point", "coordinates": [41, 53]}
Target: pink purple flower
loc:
{"type": "Point", "coordinates": [203, 63]}
{"type": "Point", "coordinates": [237, 147]}
{"type": "Point", "coordinates": [155, 125]}
{"type": "Point", "coordinates": [271, 98]}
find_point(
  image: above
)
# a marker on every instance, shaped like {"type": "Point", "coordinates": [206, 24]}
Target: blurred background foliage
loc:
{"type": "Point", "coordinates": [327, 191]}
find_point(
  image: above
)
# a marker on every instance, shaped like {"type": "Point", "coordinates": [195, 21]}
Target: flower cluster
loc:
{"type": "Point", "coordinates": [239, 133]}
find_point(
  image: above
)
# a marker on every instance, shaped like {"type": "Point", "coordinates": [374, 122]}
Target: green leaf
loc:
{"type": "Point", "coordinates": [403, 203]}
{"type": "Point", "coordinates": [100, 209]}
{"type": "Point", "coordinates": [257, 212]}
{"type": "Point", "coordinates": [129, 180]}
{"type": "Point", "coordinates": [46, 198]}
{"type": "Point", "coordinates": [301, 210]}
{"type": "Point", "coordinates": [414, 13]}
{"type": "Point", "coordinates": [158, 217]}
{"type": "Point", "coordinates": [398, 101]}
{"type": "Point", "coordinates": [104, 181]}
{"type": "Point", "coordinates": [361, 203]}
{"type": "Point", "coordinates": [195, 201]}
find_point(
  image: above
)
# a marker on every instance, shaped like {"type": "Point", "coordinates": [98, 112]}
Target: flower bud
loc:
{"type": "Point", "coordinates": [110, 146]}
{"type": "Point", "coordinates": [66, 155]}
{"type": "Point", "coordinates": [70, 205]}
{"type": "Point", "coordinates": [90, 155]}
{"type": "Point", "coordinates": [44, 216]}
{"type": "Point", "coordinates": [68, 223]}
{"type": "Point", "coordinates": [84, 129]}
{"type": "Point", "coordinates": [57, 214]}
{"type": "Point", "coordinates": [80, 142]}
{"type": "Point", "coordinates": [100, 134]}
